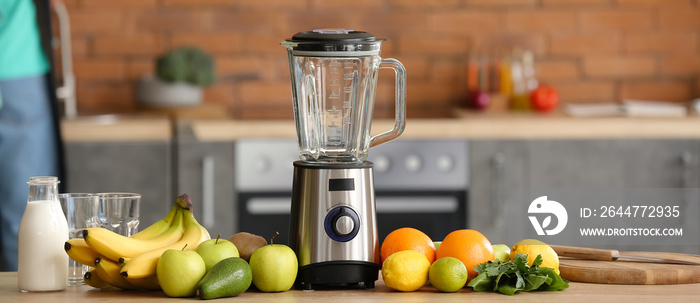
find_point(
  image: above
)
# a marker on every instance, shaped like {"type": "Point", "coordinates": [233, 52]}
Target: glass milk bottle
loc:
{"type": "Point", "coordinates": [43, 263]}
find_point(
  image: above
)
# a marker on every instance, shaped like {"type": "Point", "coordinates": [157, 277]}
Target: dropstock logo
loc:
{"type": "Point", "coordinates": [543, 206]}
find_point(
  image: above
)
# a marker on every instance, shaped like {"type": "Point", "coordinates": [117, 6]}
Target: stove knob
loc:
{"type": "Point", "coordinates": [342, 224]}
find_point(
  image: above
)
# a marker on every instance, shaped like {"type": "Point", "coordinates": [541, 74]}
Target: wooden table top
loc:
{"type": "Point", "coordinates": [577, 292]}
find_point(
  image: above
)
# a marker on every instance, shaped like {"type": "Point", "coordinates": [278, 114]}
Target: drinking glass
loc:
{"type": "Point", "coordinates": [119, 212]}
{"type": "Point", "coordinates": [82, 211]}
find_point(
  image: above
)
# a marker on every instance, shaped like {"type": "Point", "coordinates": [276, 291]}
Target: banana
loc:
{"type": "Point", "coordinates": [91, 278]}
{"type": "Point", "coordinates": [108, 271]}
{"type": "Point", "coordinates": [80, 252]}
{"type": "Point", "coordinates": [147, 283]}
{"type": "Point", "coordinates": [144, 265]}
{"type": "Point", "coordinates": [115, 246]}
{"type": "Point", "coordinates": [157, 228]}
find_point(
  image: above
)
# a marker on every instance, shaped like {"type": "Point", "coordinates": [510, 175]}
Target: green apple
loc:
{"type": "Point", "coordinates": [437, 245]}
{"type": "Point", "coordinates": [501, 252]}
{"type": "Point", "coordinates": [179, 272]}
{"type": "Point", "coordinates": [214, 250]}
{"type": "Point", "coordinates": [274, 267]}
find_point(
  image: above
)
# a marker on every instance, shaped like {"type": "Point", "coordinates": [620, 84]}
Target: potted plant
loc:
{"type": "Point", "coordinates": [180, 76]}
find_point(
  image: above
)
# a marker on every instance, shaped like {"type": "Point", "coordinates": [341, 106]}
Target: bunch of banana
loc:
{"type": "Point", "coordinates": [130, 262]}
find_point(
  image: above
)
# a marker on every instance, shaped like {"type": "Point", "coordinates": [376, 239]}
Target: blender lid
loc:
{"type": "Point", "coordinates": [333, 42]}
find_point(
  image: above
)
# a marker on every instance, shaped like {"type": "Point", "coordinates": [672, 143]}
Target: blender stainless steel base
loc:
{"type": "Point", "coordinates": [333, 226]}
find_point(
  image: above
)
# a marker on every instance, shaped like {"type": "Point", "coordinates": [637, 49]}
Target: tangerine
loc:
{"type": "Point", "coordinates": [469, 246]}
{"type": "Point", "coordinates": [408, 238]}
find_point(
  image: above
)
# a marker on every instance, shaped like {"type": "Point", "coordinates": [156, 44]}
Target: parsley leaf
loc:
{"type": "Point", "coordinates": [509, 277]}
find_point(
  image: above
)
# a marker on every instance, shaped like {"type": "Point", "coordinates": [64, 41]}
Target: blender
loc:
{"type": "Point", "coordinates": [333, 226]}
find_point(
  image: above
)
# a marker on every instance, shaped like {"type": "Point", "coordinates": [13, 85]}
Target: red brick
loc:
{"type": "Point", "coordinates": [381, 24]}
{"type": "Point", "coordinates": [577, 3]}
{"type": "Point", "coordinates": [220, 93]}
{"type": "Point", "coordinates": [557, 71]}
{"type": "Point", "coordinates": [625, 20]}
{"type": "Point", "coordinates": [261, 94]}
{"type": "Point", "coordinates": [129, 45]}
{"type": "Point", "coordinates": [248, 68]}
{"type": "Point", "coordinates": [130, 4]}
{"type": "Point", "coordinates": [664, 42]}
{"type": "Point", "coordinates": [198, 3]}
{"type": "Point", "coordinates": [211, 42]}
{"type": "Point", "coordinates": [535, 42]}
{"type": "Point", "coordinates": [102, 98]}
{"type": "Point", "coordinates": [676, 91]}
{"type": "Point", "coordinates": [355, 6]}
{"type": "Point", "coordinates": [95, 21]}
{"type": "Point", "coordinates": [448, 71]}
{"type": "Point", "coordinates": [586, 91]}
{"type": "Point", "coordinates": [80, 47]}
{"type": "Point", "coordinates": [654, 3]}
{"type": "Point", "coordinates": [680, 65]}
{"type": "Point", "coordinates": [267, 4]}
{"type": "Point", "coordinates": [585, 43]}
{"type": "Point", "coordinates": [264, 43]}
{"type": "Point", "coordinates": [99, 69]}
{"type": "Point", "coordinates": [438, 45]}
{"type": "Point", "coordinates": [248, 21]}
{"type": "Point", "coordinates": [422, 5]}
{"type": "Point", "coordinates": [501, 3]}
{"type": "Point", "coordinates": [416, 66]}
{"type": "Point", "coordinates": [540, 20]}
{"type": "Point", "coordinates": [680, 19]}
{"type": "Point", "coordinates": [465, 22]}
{"type": "Point", "coordinates": [619, 66]}
{"type": "Point", "coordinates": [309, 20]}
{"type": "Point", "coordinates": [137, 68]}
{"type": "Point", "coordinates": [168, 21]}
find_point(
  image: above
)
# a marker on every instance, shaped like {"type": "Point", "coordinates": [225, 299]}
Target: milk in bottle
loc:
{"type": "Point", "coordinates": [43, 230]}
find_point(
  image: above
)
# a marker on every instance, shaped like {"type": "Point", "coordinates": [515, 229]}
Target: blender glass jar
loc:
{"type": "Point", "coordinates": [334, 78]}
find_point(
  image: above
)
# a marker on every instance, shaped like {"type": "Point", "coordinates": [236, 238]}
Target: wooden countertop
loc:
{"type": "Point", "coordinates": [465, 125]}
{"type": "Point", "coordinates": [577, 292]}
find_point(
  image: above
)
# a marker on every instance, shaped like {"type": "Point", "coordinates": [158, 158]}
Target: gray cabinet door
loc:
{"type": "Point", "coordinates": [497, 168]}
{"type": "Point", "coordinates": [205, 173]}
{"type": "Point", "coordinates": [624, 164]}
{"type": "Point", "coordinates": [139, 167]}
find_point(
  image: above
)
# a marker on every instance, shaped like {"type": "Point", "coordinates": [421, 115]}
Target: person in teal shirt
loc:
{"type": "Point", "coordinates": [28, 136]}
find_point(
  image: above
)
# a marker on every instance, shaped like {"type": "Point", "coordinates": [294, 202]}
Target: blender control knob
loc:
{"type": "Point", "coordinates": [342, 224]}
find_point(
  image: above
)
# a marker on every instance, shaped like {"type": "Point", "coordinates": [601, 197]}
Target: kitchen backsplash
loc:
{"type": "Point", "coordinates": [590, 50]}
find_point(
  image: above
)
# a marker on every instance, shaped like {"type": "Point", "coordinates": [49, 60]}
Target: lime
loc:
{"type": "Point", "coordinates": [532, 248]}
{"type": "Point", "coordinates": [448, 274]}
{"type": "Point", "coordinates": [406, 270]}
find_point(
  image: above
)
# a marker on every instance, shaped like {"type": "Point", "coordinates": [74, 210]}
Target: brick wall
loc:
{"type": "Point", "coordinates": [591, 50]}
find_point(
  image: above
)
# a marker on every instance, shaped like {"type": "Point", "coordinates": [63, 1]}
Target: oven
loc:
{"type": "Point", "coordinates": [418, 183]}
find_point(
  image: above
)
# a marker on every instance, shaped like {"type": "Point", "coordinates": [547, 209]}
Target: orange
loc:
{"type": "Point", "coordinates": [467, 245]}
{"type": "Point", "coordinates": [408, 238]}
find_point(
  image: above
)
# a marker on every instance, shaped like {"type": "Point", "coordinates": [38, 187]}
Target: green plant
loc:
{"type": "Point", "coordinates": [186, 64]}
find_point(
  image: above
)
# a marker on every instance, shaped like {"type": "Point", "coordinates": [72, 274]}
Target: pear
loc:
{"type": "Point", "coordinates": [228, 278]}
{"type": "Point", "coordinates": [214, 250]}
{"type": "Point", "coordinates": [179, 272]}
{"type": "Point", "coordinates": [247, 243]}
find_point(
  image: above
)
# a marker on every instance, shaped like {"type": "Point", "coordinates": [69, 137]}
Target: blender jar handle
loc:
{"type": "Point", "coordinates": [400, 97]}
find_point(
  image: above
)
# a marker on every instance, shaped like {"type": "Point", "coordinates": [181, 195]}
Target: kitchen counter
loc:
{"type": "Point", "coordinates": [477, 126]}
{"type": "Point", "coordinates": [464, 125]}
{"type": "Point", "coordinates": [577, 292]}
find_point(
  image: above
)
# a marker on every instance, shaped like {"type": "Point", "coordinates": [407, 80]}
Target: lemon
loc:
{"type": "Point", "coordinates": [448, 274]}
{"type": "Point", "coordinates": [406, 270]}
{"type": "Point", "coordinates": [532, 248]}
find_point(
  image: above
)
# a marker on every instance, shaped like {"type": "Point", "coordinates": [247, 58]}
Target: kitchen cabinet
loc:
{"type": "Point", "coordinates": [500, 168]}
{"type": "Point", "coordinates": [142, 167]}
{"type": "Point", "coordinates": [204, 171]}
{"type": "Point", "coordinates": [495, 168]}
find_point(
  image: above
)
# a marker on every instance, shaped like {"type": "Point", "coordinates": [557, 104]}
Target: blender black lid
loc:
{"type": "Point", "coordinates": [319, 41]}
{"type": "Point", "coordinates": [333, 35]}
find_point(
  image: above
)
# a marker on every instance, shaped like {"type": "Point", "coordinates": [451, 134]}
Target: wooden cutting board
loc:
{"type": "Point", "coordinates": [631, 272]}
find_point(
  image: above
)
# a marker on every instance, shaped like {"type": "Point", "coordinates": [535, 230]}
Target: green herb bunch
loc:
{"type": "Point", "coordinates": [509, 276]}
